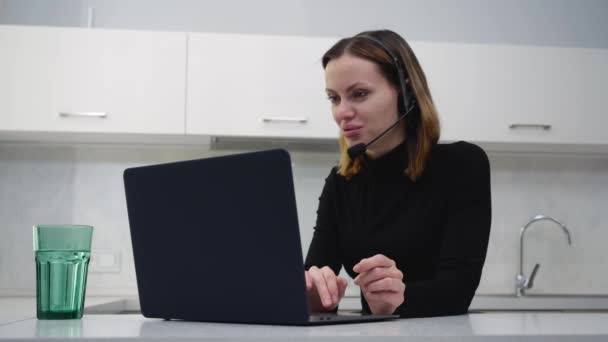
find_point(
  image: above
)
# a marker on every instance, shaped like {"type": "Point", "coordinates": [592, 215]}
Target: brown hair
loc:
{"type": "Point", "coordinates": [422, 124]}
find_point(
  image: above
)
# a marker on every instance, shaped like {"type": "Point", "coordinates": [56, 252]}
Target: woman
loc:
{"type": "Point", "coordinates": [409, 219]}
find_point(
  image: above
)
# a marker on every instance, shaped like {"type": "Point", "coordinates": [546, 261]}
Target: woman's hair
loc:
{"type": "Point", "coordinates": [421, 124]}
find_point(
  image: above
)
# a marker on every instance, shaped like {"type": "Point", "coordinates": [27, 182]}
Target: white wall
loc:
{"type": "Point", "coordinates": [82, 183]}
{"type": "Point", "coordinates": [531, 22]}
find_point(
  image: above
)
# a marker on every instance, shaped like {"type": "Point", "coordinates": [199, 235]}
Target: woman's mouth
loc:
{"type": "Point", "coordinates": [351, 132]}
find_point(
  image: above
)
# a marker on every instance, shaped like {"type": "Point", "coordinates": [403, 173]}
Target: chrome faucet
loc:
{"type": "Point", "coordinates": [522, 283]}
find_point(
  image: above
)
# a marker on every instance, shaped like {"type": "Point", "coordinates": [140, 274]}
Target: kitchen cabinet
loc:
{"type": "Point", "coordinates": [258, 86]}
{"type": "Point", "coordinates": [518, 94]}
{"type": "Point", "coordinates": [196, 85]}
{"type": "Point", "coordinates": [272, 86]}
{"type": "Point", "coordinates": [87, 80]}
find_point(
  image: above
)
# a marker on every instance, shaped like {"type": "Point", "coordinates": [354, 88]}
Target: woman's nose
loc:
{"type": "Point", "coordinates": [344, 111]}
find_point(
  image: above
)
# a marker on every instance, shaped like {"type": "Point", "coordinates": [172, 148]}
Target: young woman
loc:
{"type": "Point", "coordinates": [408, 218]}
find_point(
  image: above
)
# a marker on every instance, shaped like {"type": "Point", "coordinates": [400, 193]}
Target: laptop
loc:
{"type": "Point", "coordinates": [217, 240]}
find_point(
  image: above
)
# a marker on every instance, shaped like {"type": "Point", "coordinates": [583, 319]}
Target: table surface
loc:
{"type": "Point", "coordinates": [537, 326]}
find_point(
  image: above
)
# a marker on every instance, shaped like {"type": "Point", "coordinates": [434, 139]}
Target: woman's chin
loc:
{"type": "Point", "coordinates": [350, 142]}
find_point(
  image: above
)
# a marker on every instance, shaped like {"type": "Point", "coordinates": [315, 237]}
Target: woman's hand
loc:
{"type": "Point", "coordinates": [324, 288]}
{"type": "Point", "coordinates": [381, 283]}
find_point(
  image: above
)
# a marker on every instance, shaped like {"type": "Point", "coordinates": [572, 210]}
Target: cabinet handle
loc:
{"type": "Point", "coordinates": [542, 126]}
{"type": "Point", "coordinates": [285, 119]}
{"type": "Point", "coordinates": [101, 115]}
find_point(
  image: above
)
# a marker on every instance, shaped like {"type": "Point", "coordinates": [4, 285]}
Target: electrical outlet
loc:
{"type": "Point", "coordinates": [104, 262]}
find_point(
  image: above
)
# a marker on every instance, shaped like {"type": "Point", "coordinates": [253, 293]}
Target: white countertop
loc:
{"type": "Point", "coordinates": [13, 309]}
{"type": "Point", "coordinates": [483, 326]}
{"type": "Point", "coordinates": [18, 322]}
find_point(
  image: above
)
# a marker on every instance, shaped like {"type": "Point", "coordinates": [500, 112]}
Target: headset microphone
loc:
{"type": "Point", "coordinates": [408, 102]}
{"type": "Point", "coordinates": [357, 150]}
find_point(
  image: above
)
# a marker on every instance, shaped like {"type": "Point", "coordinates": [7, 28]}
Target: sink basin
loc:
{"type": "Point", "coordinates": [540, 302]}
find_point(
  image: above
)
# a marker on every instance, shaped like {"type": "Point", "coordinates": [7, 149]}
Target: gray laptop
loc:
{"type": "Point", "coordinates": [217, 240]}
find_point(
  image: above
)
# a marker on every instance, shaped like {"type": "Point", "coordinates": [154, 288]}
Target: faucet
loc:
{"type": "Point", "coordinates": [522, 283]}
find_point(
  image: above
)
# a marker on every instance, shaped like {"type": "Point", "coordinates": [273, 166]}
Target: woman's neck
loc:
{"type": "Point", "coordinates": [387, 143]}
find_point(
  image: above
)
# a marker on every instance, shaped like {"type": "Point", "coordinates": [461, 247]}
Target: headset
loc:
{"type": "Point", "coordinates": [408, 100]}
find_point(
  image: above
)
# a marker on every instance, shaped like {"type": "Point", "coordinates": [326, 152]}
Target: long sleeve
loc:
{"type": "Point", "coordinates": [436, 229]}
{"type": "Point", "coordinates": [323, 250]}
{"type": "Point", "coordinates": [463, 245]}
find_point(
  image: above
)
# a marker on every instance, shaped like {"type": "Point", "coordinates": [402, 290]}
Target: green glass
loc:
{"type": "Point", "coordinates": [62, 260]}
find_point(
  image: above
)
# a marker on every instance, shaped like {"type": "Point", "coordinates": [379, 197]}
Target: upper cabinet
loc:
{"type": "Point", "coordinates": [518, 94]}
{"type": "Point", "coordinates": [272, 86]}
{"type": "Point", "coordinates": [258, 86]}
{"type": "Point", "coordinates": [89, 80]}
{"type": "Point", "coordinates": [213, 84]}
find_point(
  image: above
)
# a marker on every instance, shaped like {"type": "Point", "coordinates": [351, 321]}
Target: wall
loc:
{"type": "Point", "coordinates": [530, 22]}
{"type": "Point", "coordinates": [82, 183]}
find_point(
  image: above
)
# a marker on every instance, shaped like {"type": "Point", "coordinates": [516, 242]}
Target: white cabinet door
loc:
{"type": "Point", "coordinates": [90, 80]}
{"type": "Point", "coordinates": [518, 94]}
{"type": "Point", "coordinates": [258, 86]}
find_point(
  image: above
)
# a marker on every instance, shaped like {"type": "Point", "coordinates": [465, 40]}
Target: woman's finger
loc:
{"type": "Point", "coordinates": [332, 285]}
{"type": "Point", "coordinates": [308, 281]}
{"type": "Point", "coordinates": [385, 285]}
{"type": "Point", "coordinates": [342, 284]}
{"type": "Point", "coordinates": [378, 273]}
{"type": "Point", "coordinates": [320, 285]}
{"type": "Point", "coordinates": [377, 260]}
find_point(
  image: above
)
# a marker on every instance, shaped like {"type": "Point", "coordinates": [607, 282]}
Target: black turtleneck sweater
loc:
{"type": "Point", "coordinates": [436, 229]}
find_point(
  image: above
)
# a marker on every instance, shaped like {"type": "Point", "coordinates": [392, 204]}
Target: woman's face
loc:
{"type": "Point", "coordinates": [363, 102]}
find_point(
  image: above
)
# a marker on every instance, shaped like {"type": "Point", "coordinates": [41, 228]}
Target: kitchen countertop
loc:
{"type": "Point", "coordinates": [481, 302]}
{"type": "Point", "coordinates": [18, 322]}
{"type": "Point", "coordinates": [506, 326]}
{"type": "Point", "coordinates": [13, 309]}
{"type": "Point", "coordinates": [540, 302]}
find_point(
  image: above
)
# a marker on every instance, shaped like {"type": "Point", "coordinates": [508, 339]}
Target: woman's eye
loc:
{"type": "Point", "coordinates": [332, 98]}
{"type": "Point", "coordinates": [360, 93]}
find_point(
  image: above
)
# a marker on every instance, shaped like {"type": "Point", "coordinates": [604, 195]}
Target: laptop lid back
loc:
{"type": "Point", "coordinates": [217, 239]}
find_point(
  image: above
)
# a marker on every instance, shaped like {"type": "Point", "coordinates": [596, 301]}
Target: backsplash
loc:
{"type": "Point", "coordinates": [83, 184]}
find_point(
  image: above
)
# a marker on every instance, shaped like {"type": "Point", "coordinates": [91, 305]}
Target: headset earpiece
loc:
{"type": "Point", "coordinates": [406, 98]}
